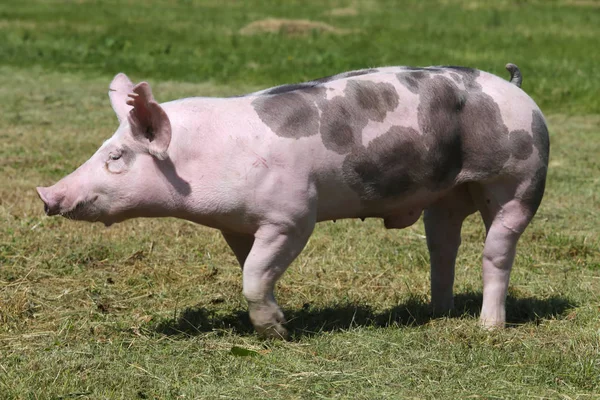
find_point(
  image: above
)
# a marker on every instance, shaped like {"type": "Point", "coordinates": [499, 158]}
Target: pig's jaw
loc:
{"type": "Point", "coordinates": [83, 210]}
{"type": "Point", "coordinates": [94, 207]}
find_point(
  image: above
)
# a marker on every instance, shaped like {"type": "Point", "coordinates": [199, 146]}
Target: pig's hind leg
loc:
{"type": "Point", "coordinates": [506, 207]}
{"type": "Point", "coordinates": [275, 247]}
{"type": "Point", "coordinates": [443, 221]}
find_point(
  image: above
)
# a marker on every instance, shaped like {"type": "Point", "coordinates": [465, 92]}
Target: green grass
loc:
{"type": "Point", "coordinates": [153, 308]}
{"type": "Point", "coordinates": [554, 42]}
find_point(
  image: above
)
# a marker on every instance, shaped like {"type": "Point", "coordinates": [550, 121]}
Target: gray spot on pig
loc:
{"type": "Point", "coordinates": [439, 100]}
{"type": "Point", "coordinates": [341, 126]}
{"type": "Point", "coordinates": [359, 72]}
{"type": "Point", "coordinates": [475, 115]}
{"type": "Point", "coordinates": [532, 197]}
{"type": "Point", "coordinates": [289, 88]}
{"type": "Point", "coordinates": [291, 114]}
{"type": "Point", "coordinates": [411, 78]}
{"type": "Point", "coordinates": [541, 139]}
{"type": "Point", "coordinates": [460, 129]}
{"type": "Point", "coordinates": [400, 162]}
{"type": "Point", "coordinates": [468, 76]}
{"type": "Point", "coordinates": [375, 99]}
{"type": "Point", "coordinates": [305, 111]}
{"type": "Point", "coordinates": [422, 74]}
{"type": "Point", "coordinates": [385, 167]}
{"type": "Point", "coordinates": [409, 82]}
{"type": "Point", "coordinates": [521, 144]}
{"type": "Point", "coordinates": [343, 118]}
{"type": "Point", "coordinates": [439, 117]}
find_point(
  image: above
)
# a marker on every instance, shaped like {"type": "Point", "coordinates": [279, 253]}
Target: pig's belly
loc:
{"type": "Point", "coordinates": [397, 211]}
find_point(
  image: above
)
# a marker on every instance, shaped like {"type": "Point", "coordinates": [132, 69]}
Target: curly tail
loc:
{"type": "Point", "coordinates": [515, 74]}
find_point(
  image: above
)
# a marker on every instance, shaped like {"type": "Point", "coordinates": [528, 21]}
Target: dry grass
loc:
{"type": "Point", "coordinates": [290, 27]}
{"type": "Point", "coordinates": [152, 308]}
{"type": "Point", "coordinates": [342, 12]}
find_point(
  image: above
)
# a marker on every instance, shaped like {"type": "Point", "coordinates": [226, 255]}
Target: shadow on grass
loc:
{"type": "Point", "coordinates": [309, 321]}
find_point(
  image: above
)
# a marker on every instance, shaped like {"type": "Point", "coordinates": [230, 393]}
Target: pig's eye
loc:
{"type": "Point", "coordinates": [119, 160]}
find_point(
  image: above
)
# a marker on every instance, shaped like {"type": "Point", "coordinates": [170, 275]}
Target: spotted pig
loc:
{"type": "Point", "coordinates": [389, 143]}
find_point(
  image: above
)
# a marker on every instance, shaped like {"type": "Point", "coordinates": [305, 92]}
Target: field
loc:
{"type": "Point", "coordinates": [152, 309]}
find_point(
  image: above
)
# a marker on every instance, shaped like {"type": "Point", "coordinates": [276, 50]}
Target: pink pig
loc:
{"type": "Point", "coordinates": [265, 167]}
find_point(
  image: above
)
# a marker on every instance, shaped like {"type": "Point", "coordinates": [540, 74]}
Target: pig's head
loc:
{"type": "Point", "coordinates": [123, 178]}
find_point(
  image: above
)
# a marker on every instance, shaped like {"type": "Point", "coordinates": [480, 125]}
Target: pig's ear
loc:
{"type": "Point", "coordinates": [118, 90]}
{"type": "Point", "coordinates": [149, 122]}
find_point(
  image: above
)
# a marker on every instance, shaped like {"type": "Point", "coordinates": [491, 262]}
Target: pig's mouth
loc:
{"type": "Point", "coordinates": [84, 210]}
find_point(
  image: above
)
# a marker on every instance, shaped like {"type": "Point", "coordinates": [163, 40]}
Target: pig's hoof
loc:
{"type": "Point", "coordinates": [443, 309]}
{"type": "Point", "coordinates": [268, 322]}
{"type": "Point", "coordinates": [275, 331]}
{"type": "Point", "coordinates": [491, 324]}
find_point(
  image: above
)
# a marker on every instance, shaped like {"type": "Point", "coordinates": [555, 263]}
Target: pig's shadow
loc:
{"type": "Point", "coordinates": [309, 321]}
{"type": "Point", "coordinates": [170, 173]}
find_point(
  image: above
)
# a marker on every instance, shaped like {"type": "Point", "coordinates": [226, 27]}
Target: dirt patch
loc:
{"type": "Point", "coordinates": [342, 12]}
{"type": "Point", "coordinates": [290, 27]}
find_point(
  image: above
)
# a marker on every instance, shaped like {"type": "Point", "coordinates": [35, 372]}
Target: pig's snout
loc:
{"type": "Point", "coordinates": [51, 199]}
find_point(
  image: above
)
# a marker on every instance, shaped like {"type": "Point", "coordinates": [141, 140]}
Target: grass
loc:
{"type": "Point", "coordinates": [152, 308]}
{"type": "Point", "coordinates": [553, 41]}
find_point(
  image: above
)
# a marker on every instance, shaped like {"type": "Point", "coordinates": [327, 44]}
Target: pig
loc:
{"type": "Point", "coordinates": [264, 168]}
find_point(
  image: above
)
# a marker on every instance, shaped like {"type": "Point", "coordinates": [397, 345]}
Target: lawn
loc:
{"type": "Point", "coordinates": [153, 308]}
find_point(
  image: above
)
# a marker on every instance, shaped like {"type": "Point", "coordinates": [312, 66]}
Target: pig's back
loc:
{"type": "Point", "coordinates": [385, 136]}
{"type": "Point", "coordinates": [398, 128]}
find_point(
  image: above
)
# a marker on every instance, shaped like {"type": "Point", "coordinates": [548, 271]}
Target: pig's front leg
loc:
{"type": "Point", "coordinates": [274, 249]}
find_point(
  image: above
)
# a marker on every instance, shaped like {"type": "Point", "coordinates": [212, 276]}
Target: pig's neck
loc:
{"type": "Point", "coordinates": [203, 161]}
